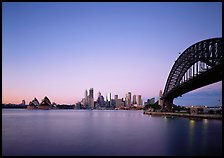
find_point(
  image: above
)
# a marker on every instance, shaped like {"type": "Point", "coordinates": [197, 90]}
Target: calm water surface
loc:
{"type": "Point", "coordinates": [105, 132]}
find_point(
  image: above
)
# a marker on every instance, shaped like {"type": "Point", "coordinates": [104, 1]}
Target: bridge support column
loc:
{"type": "Point", "coordinates": [167, 104]}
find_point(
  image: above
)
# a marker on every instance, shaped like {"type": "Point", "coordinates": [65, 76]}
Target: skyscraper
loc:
{"type": "Point", "coordinates": [109, 99]}
{"type": "Point", "coordinates": [160, 102]}
{"type": "Point", "coordinates": [109, 96]}
{"type": "Point", "coordinates": [128, 99]}
{"type": "Point", "coordinates": [86, 94]}
{"type": "Point", "coordinates": [139, 100]}
{"type": "Point", "coordinates": [91, 98]}
{"type": "Point", "coordinates": [134, 99]}
{"type": "Point", "coordinates": [91, 92]}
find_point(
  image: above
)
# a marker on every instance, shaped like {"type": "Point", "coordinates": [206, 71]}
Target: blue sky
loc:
{"type": "Point", "coordinates": [62, 49]}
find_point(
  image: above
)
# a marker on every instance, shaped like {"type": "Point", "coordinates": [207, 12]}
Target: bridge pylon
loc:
{"type": "Point", "coordinates": [167, 104]}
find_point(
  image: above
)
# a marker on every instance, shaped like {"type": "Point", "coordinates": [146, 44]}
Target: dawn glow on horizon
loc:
{"type": "Point", "coordinates": [59, 50]}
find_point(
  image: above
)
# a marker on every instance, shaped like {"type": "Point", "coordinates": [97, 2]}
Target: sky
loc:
{"type": "Point", "coordinates": [59, 49]}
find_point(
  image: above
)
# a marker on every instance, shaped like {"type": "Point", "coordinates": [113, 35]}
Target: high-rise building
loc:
{"type": "Point", "coordinates": [139, 100]}
{"type": "Point", "coordinates": [128, 99]}
{"type": "Point", "coordinates": [134, 100]}
{"type": "Point", "coordinates": [91, 92]}
{"type": "Point", "coordinates": [86, 93]}
{"type": "Point", "coordinates": [109, 96]}
{"type": "Point", "coordinates": [91, 98]}
{"type": "Point", "coordinates": [109, 99]}
{"type": "Point", "coordinates": [160, 101]}
{"type": "Point", "coordinates": [85, 102]}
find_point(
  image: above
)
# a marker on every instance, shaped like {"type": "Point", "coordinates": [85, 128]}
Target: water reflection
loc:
{"type": "Point", "coordinates": [77, 132]}
{"type": "Point", "coordinates": [191, 138]}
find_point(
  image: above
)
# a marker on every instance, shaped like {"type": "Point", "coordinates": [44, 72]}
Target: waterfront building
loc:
{"type": "Point", "coordinates": [147, 102]}
{"type": "Point", "coordinates": [109, 103]}
{"type": "Point", "coordinates": [45, 104]}
{"type": "Point", "coordinates": [86, 94]}
{"type": "Point", "coordinates": [160, 101]}
{"type": "Point", "coordinates": [91, 102]}
{"type": "Point", "coordinates": [134, 100]}
{"type": "Point", "coordinates": [112, 104]}
{"type": "Point", "coordinates": [152, 101]}
{"type": "Point", "coordinates": [101, 101]}
{"type": "Point", "coordinates": [119, 103]}
{"type": "Point", "coordinates": [88, 101]}
{"type": "Point", "coordinates": [91, 98]}
{"type": "Point", "coordinates": [84, 102]}
{"type": "Point", "coordinates": [33, 104]}
{"type": "Point", "coordinates": [91, 93]}
{"type": "Point", "coordinates": [109, 96]}
{"type": "Point", "coordinates": [139, 100]}
{"type": "Point", "coordinates": [128, 99]}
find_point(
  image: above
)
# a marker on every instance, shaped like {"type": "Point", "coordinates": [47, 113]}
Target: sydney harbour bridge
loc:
{"type": "Point", "coordinates": [199, 65]}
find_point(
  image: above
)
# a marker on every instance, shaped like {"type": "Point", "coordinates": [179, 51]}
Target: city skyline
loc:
{"type": "Point", "coordinates": [60, 50]}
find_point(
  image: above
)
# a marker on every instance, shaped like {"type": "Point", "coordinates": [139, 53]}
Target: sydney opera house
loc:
{"type": "Point", "coordinates": [45, 104]}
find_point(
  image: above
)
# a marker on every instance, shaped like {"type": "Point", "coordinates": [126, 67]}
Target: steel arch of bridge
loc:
{"type": "Point", "coordinates": [199, 58]}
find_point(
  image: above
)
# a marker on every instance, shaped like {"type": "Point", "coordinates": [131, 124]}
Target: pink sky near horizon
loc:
{"type": "Point", "coordinates": [68, 100]}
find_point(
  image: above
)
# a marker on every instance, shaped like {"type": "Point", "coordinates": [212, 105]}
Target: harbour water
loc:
{"type": "Point", "coordinates": [106, 132]}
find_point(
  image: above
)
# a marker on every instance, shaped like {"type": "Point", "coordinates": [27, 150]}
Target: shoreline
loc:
{"type": "Point", "coordinates": [202, 116]}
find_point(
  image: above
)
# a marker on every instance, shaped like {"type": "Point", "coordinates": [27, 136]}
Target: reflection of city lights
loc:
{"type": "Point", "coordinates": [192, 122]}
{"type": "Point", "coordinates": [205, 121]}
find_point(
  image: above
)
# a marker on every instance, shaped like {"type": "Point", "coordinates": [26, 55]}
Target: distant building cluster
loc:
{"type": "Point", "coordinates": [108, 102]}
{"type": "Point", "coordinates": [205, 110]}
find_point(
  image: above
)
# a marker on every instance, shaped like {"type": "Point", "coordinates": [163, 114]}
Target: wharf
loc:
{"type": "Point", "coordinates": [202, 116]}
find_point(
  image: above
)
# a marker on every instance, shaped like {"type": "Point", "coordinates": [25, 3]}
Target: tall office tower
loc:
{"type": "Point", "coordinates": [109, 96]}
{"type": "Point", "coordinates": [115, 97]}
{"type": "Point", "coordinates": [91, 98]}
{"type": "Point", "coordinates": [91, 92]}
{"type": "Point", "coordinates": [86, 100]}
{"type": "Point", "coordinates": [160, 102]}
{"type": "Point", "coordinates": [134, 99]}
{"type": "Point", "coordinates": [106, 98]}
{"type": "Point", "coordinates": [139, 99]}
{"type": "Point", "coordinates": [101, 101]}
{"type": "Point", "coordinates": [86, 93]}
{"type": "Point", "coordinates": [129, 98]}
{"type": "Point", "coordinates": [109, 99]}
